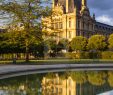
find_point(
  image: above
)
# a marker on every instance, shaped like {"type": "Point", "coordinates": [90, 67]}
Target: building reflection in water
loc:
{"type": "Point", "coordinates": [77, 83]}
{"type": "Point", "coordinates": [58, 86]}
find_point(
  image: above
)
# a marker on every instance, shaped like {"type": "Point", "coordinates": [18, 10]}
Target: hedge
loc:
{"type": "Point", "coordinates": [107, 55]}
{"type": "Point", "coordinates": [90, 55]}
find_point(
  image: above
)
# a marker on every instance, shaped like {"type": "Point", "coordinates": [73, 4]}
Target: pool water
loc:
{"type": "Point", "coordinates": [64, 83]}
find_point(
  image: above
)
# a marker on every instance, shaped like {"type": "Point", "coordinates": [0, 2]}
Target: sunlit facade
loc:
{"type": "Point", "coordinates": [71, 18]}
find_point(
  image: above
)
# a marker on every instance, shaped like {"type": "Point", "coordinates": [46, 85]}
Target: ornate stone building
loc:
{"type": "Point", "coordinates": [71, 18]}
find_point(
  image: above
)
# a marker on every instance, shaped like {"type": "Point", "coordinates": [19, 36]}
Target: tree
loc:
{"type": "Point", "coordinates": [96, 78]}
{"type": "Point", "coordinates": [16, 40]}
{"type": "Point", "coordinates": [50, 44]}
{"type": "Point", "coordinates": [110, 78]}
{"type": "Point", "coordinates": [79, 43]}
{"type": "Point", "coordinates": [97, 42]}
{"type": "Point", "coordinates": [27, 13]}
{"type": "Point", "coordinates": [110, 41]}
{"type": "Point", "coordinates": [63, 44]}
{"type": "Point", "coordinates": [3, 43]}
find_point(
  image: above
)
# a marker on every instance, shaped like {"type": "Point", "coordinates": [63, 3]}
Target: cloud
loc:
{"type": "Point", "coordinates": [103, 10]}
{"type": "Point", "coordinates": [105, 19]}
{"type": "Point", "coordinates": [101, 4]}
{"type": "Point", "coordinates": [101, 7]}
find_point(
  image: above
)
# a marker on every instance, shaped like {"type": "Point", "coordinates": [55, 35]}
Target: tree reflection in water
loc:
{"type": "Point", "coordinates": [65, 83]}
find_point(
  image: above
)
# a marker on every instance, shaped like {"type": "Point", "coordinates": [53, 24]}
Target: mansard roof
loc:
{"type": "Point", "coordinates": [103, 24]}
{"type": "Point", "coordinates": [100, 25]}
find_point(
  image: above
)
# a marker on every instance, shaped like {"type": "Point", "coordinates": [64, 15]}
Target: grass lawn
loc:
{"type": "Point", "coordinates": [60, 61]}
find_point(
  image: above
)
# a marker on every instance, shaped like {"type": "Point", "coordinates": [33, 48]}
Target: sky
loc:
{"type": "Point", "coordinates": [103, 10]}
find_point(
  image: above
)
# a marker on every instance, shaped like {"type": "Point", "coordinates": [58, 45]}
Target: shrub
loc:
{"type": "Point", "coordinates": [107, 55]}
{"type": "Point", "coordinates": [78, 55]}
{"type": "Point", "coordinates": [72, 55]}
{"type": "Point", "coordinates": [94, 55]}
{"type": "Point", "coordinates": [67, 55]}
{"type": "Point", "coordinates": [83, 55]}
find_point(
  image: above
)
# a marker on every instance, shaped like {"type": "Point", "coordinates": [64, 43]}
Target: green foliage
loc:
{"type": "Point", "coordinates": [97, 42]}
{"type": "Point", "coordinates": [64, 75]}
{"type": "Point", "coordinates": [50, 75]}
{"type": "Point", "coordinates": [74, 55]}
{"type": "Point", "coordinates": [79, 77]}
{"type": "Point", "coordinates": [90, 55]}
{"type": "Point", "coordinates": [14, 42]}
{"type": "Point", "coordinates": [96, 78]}
{"type": "Point", "coordinates": [3, 43]}
{"type": "Point", "coordinates": [110, 78]}
{"type": "Point", "coordinates": [107, 55]}
{"type": "Point", "coordinates": [27, 13]}
{"type": "Point", "coordinates": [110, 41]}
{"type": "Point", "coordinates": [63, 44]}
{"type": "Point", "coordinates": [95, 55]}
{"type": "Point", "coordinates": [83, 55]}
{"type": "Point", "coordinates": [71, 55]}
{"type": "Point", "coordinates": [50, 44]}
{"type": "Point", "coordinates": [79, 43]}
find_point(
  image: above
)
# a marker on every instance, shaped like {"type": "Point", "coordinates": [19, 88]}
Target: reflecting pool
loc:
{"type": "Point", "coordinates": [64, 83]}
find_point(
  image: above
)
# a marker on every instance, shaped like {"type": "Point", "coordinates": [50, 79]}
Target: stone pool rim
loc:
{"type": "Point", "coordinates": [7, 71]}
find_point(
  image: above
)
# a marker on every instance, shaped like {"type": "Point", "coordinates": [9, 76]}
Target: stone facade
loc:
{"type": "Point", "coordinates": [71, 18]}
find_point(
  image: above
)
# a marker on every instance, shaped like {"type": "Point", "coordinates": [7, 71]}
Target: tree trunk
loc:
{"type": "Point", "coordinates": [27, 51]}
{"type": "Point", "coordinates": [27, 54]}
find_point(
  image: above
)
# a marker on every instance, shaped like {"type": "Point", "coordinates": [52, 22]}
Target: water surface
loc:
{"type": "Point", "coordinates": [64, 83]}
